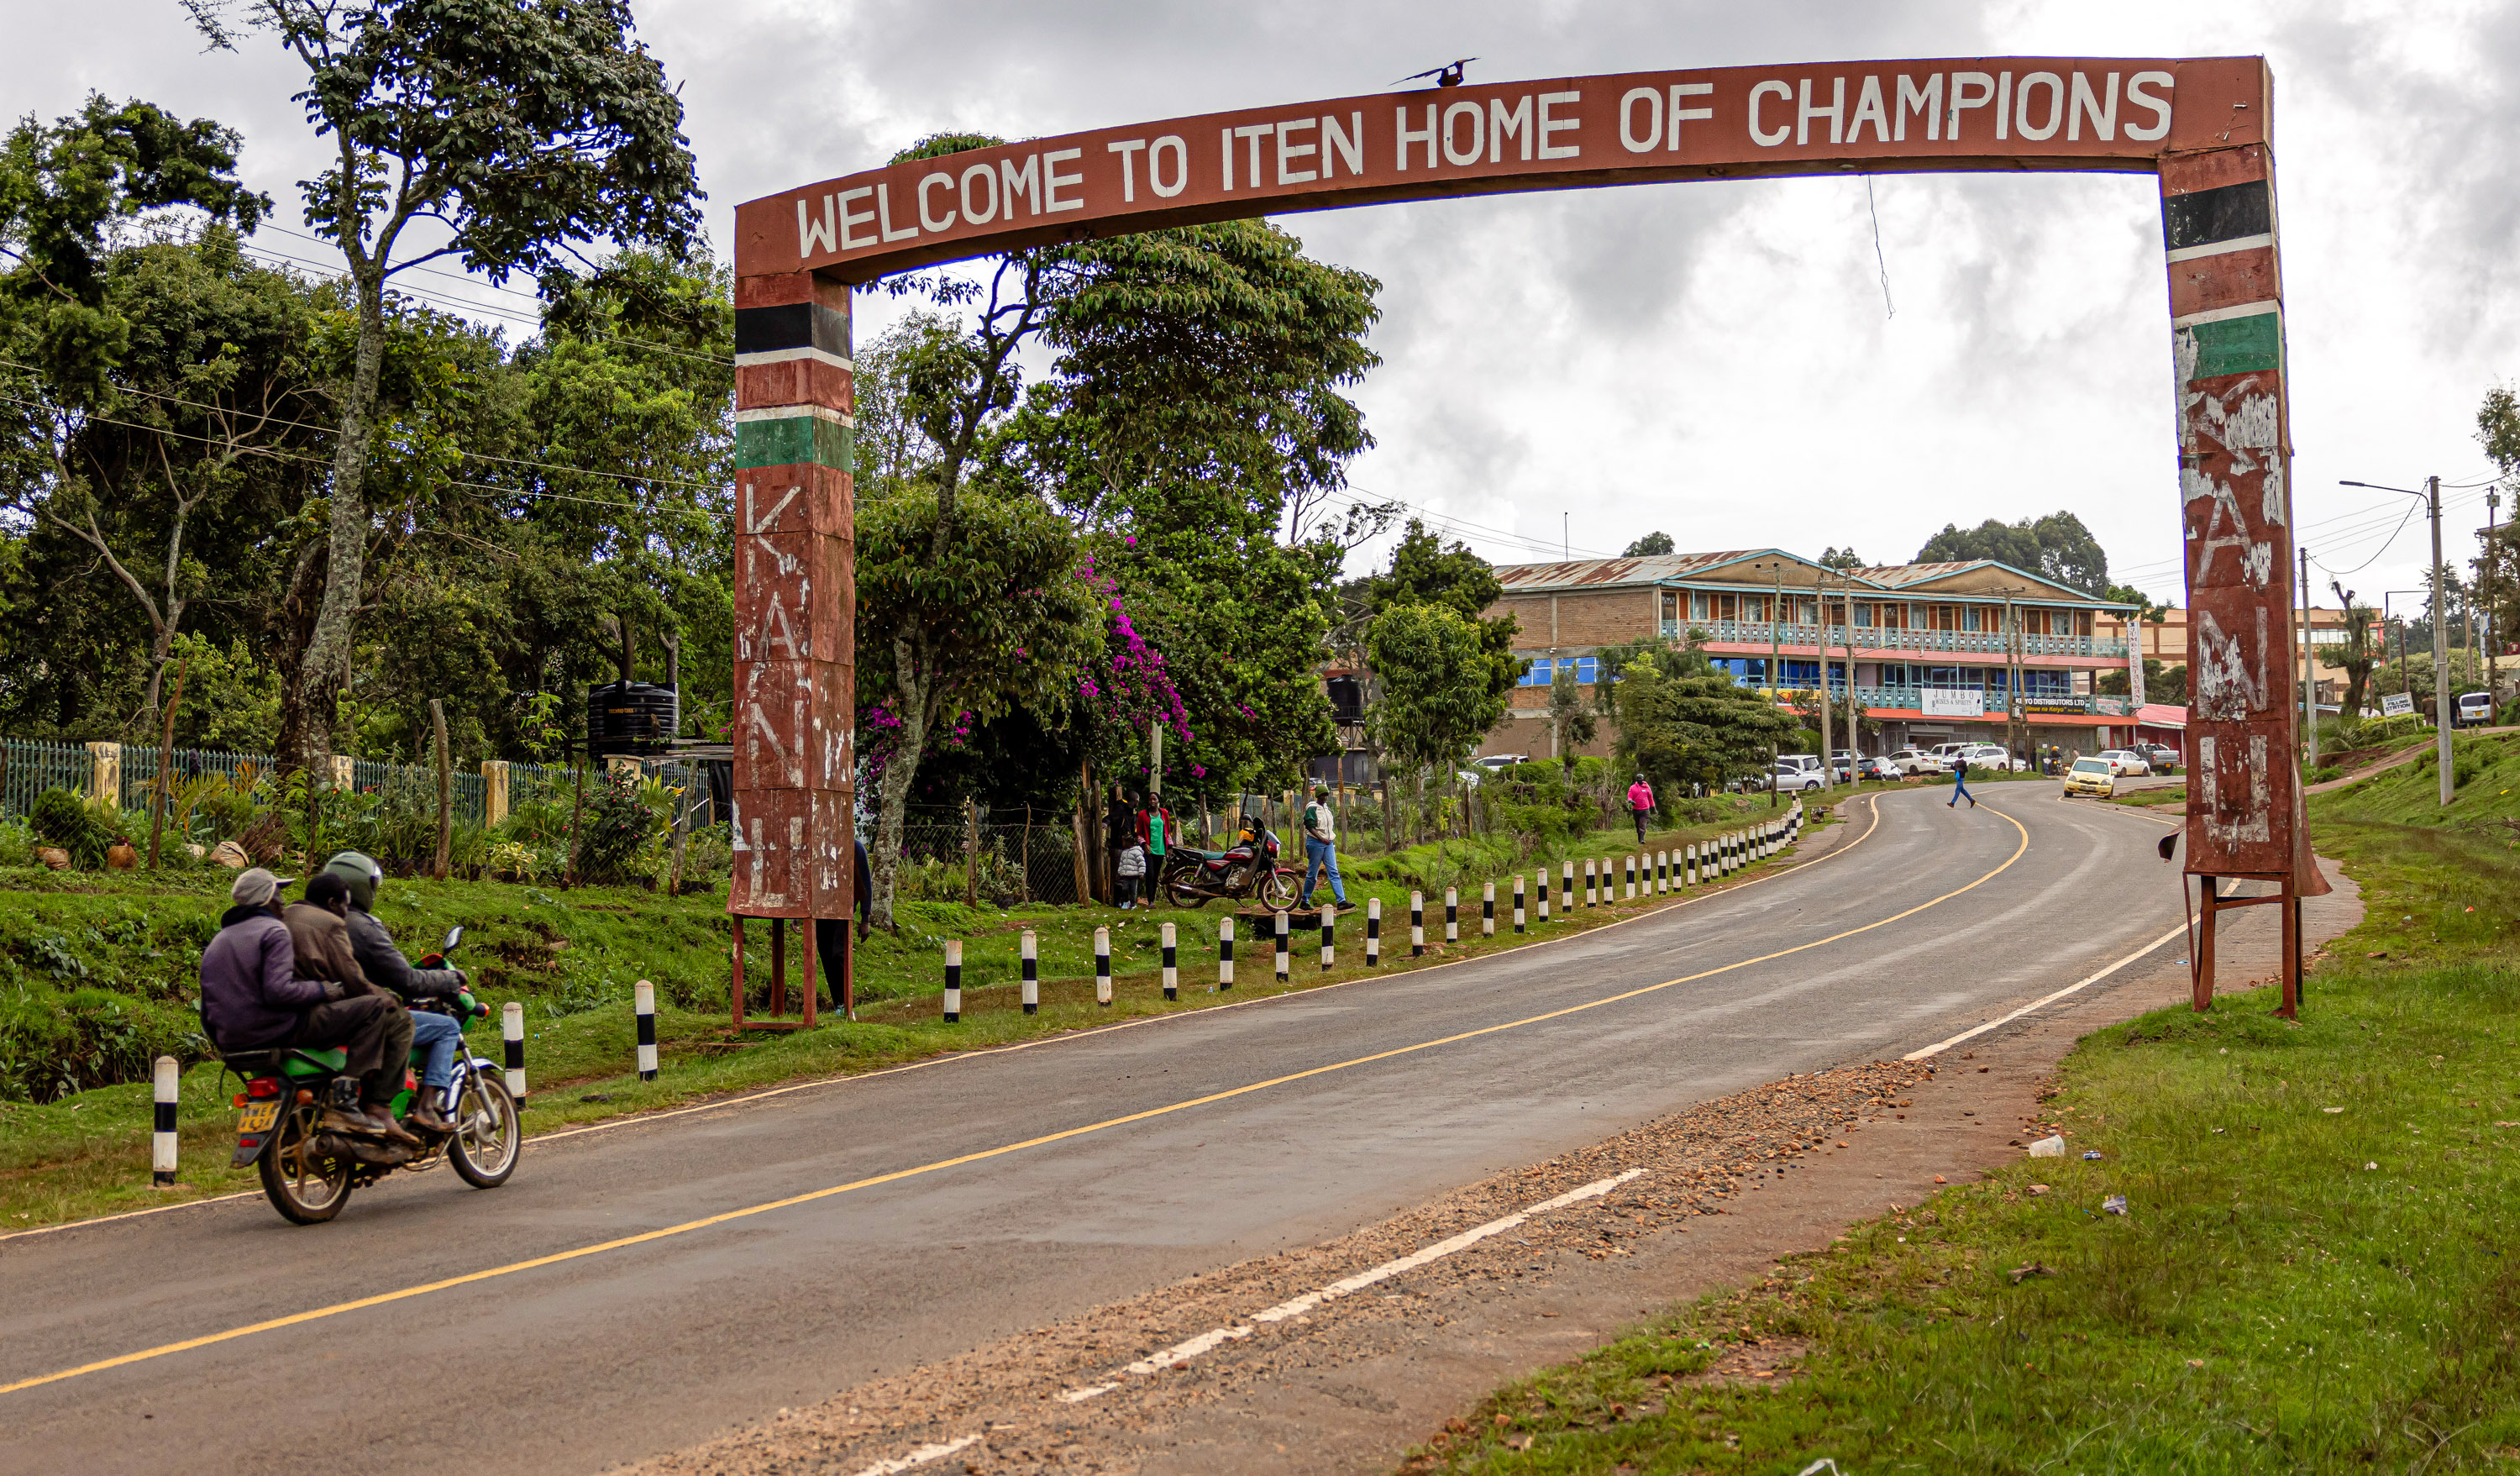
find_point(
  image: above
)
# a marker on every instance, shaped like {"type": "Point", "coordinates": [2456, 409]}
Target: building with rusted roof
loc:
{"type": "Point", "coordinates": [1932, 650]}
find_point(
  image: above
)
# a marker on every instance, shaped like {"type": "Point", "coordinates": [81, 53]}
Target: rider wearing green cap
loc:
{"type": "Point", "coordinates": [372, 944]}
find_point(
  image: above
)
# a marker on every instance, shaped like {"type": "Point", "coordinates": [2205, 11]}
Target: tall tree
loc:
{"type": "Point", "coordinates": [1656, 542]}
{"type": "Point", "coordinates": [2056, 546]}
{"type": "Point", "coordinates": [516, 132]}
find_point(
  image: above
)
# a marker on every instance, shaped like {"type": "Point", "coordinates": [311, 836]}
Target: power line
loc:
{"type": "Point", "coordinates": [479, 456]}
{"type": "Point", "coordinates": [317, 461]}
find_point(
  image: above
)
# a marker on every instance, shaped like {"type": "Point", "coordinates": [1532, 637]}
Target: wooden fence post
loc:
{"type": "Point", "coordinates": [446, 793]}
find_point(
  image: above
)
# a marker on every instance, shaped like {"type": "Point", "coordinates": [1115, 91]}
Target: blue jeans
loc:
{"type": "Point", "coordinates": [1321, 856]}
{"type": "Point", "coordinates": [1960, 787]}
{"type": "Point", "coordinates": [439, 1035]}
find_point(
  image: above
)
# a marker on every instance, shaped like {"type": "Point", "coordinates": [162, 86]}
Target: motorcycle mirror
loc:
{"type": "Point", "coordinates": [2167, 844]}
{"type": "Point", "coordinates": [454, 935]}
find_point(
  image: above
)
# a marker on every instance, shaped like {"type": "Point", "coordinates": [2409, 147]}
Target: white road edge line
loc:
{"type": "Point", "coordinates": [917, 1457]}
{"type": "Point", "coordinates": [1974, 1032]}
{"type": "Point", "coordinates": [1190, 1348]}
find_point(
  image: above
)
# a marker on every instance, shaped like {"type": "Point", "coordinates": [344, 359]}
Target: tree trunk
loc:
{"type": "Point", "coordinates": [1083, 831]}
{"type": "Point", "coordinates": [323, 667]}
{"type": "Point", "coordinates": [892, 793]}
{"type": "Point", "coordinates": [165, 770]}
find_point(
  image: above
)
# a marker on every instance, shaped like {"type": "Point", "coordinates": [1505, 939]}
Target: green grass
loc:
{"type": "Point", "coordinates": [2295, 1290]}
{"type": "Point", "coordinates": [571, 958]}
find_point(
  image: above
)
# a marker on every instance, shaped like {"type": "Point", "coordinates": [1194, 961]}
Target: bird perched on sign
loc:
{"type": "Point", "coordinates": [1447, 75]}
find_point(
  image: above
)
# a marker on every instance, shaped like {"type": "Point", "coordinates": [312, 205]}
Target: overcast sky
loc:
{"type": "Point", "coordinates": [1717, 361]}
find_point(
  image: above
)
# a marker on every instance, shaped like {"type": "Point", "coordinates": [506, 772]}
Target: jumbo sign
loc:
{"type": "Point", "coordinates": [2201, 126]}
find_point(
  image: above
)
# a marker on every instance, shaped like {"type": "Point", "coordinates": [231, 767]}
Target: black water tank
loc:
{"type": "Point", "coordinates": [631, 717]}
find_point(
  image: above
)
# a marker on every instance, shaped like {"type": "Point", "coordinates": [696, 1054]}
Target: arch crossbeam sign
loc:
{"type": "Point", "coordinates": [2201, 125]}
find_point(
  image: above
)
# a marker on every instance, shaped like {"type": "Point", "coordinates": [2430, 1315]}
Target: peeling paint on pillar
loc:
{"type": "Point", "coordinates": [794, 599]}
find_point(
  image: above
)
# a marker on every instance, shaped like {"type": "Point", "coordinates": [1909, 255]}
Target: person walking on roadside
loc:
{"type": "Point", "coordinates": [1320, 847]}
{"type": "Point", "coordinates": [1641, 803]}
{"type": "Point", "coordinates": [1960, 785]}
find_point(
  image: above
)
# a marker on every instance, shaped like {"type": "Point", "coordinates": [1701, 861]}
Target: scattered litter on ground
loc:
{"type": "Point", "coordinates": [2332, 1111]}
{"type": "Point", "coordinates": [2091, 1156]}
{"type": "Point", "coordinates": [2019, 1274]}
{"type": "Point", "coordinates": [2049, 1147]}
{"type": "Point", "coordinates": [2115, 1204]}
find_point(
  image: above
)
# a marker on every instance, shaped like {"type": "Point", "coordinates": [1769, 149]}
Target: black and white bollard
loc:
{"type": "Point", "coordinates": [168, 1080]}
{"type": "Point", "coordinates": [1282, 945]}
{"type": "Point", "coordinates": [1662, 874]}
{"type": "Point", "coordinates": [1627, 880]}
{"type": "Point", "coordinates": [1172, 971]}
{"type": "Point", "coordinates": [953, 981]}
{"type": "Point", "coordinates": [1329, 935]}
{"type": "Point", "coordinates": [1566, 889]}
{"type": "Point", "coordinates": [1103, 966]}
{"type": "Point", "coordinates": [1589, 888]}
{"type": "Point", "coordinates": [1373, 932]}
{"type": "Point", "coordinates": [1225, 953]}
{"type": "Point", "coordinates": [1451, 914]}
{"type": "Point", "coordinates": [512, 1035]}
{"type": "Point", "coordinates": [1542, 878]}
{"type": "Point", "coordinates": [1031, 973]}
{"type": "Point", "coordinates": [1487, 909]}
{"type": "Point", "coordinates": [1518, 904]}
{"type": "Point", "coordinates": [643, 1003]}
{"type": "Point", "coordinates": [1417, 925]}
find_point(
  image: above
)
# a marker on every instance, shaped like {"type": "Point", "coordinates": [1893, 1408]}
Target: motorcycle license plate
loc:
{"type": "Point", "coordinates": [258, 1117]}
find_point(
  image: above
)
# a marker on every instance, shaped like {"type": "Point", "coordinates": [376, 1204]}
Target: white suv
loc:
{"type": "Point", "coordinates": [1912, 760]}
{"type": "Point", "coordinates": [1993, 756]}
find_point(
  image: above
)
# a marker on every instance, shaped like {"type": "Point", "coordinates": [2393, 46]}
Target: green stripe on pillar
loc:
{"type": "Point", "coordinates": [2238, 346]}
{"type": "Point", "coordinates": [793, 440]}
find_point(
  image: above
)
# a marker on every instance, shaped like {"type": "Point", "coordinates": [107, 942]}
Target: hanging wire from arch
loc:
{"type": "Point", "coordinates": [1878, 259]}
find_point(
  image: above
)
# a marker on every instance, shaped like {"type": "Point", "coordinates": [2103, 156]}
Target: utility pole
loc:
{"type": "Point", "coordinates": [1827, 751]}
{"type": "Point", "coordinates": [1854, 732]}
{"type": "Point", "coordinates": [2309, 670]}
{"type": "Point", "coordinates": [1775, 685]}
{"type": "Point", "coordinates": [2441, 648]}
{"type": "Point", "coordinates": [2492, 499]}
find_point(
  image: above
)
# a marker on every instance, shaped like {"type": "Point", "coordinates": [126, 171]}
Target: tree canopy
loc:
{"type": "Point", "coordinates": [2056, 546]}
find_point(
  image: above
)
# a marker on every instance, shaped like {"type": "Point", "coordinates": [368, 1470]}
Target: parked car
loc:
{"type": "Point", "coordinates": [1948, 755]}
{"type": "Point", "coordinates": [1791, 778]}
{"type": "Point", "coordinates": [2472, 709]}
{"type": "Point", "coordinates": [1993, 756]}
{"type": "Point", "coordinates": [2094, 776]}
{"type": "Point", "coordinates": [2124, 762]}
{"type": "Point", "coordinates": [1880, 769]}
{"type": "Point", "coordinates": [2161, 757]}
{"type": "Point", "coordinates": [1913, 761]}
{"type": "Point", "coordinates": [1495, 761]}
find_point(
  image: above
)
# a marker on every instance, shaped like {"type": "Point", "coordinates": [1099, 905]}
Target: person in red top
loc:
{"type": "Point", "coordinates": [1641, 803]}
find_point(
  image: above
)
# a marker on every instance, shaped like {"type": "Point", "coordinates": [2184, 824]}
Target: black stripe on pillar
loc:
{"type": "Point", "coordinates": [516, 1055]}
{"type": "Point", "coordinates": [791, 325]}
{"type": "Point", "coordinates": [166, 1117]}
{"type": "Point", "coordinates": [2221, 214]}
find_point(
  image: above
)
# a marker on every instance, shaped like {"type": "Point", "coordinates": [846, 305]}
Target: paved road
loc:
{"type": "Point", "coordinates": [573, 1366]}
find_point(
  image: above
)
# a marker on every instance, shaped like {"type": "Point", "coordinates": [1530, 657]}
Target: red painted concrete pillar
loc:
{"type": "Point", "coordinates": [794, 603]}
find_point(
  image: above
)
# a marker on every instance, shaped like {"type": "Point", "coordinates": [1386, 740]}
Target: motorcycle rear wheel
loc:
{"type": "Point", "coordinates": [1279, 888]}
{"type": "Point", "coordinates": [488, 1137]}
{"type": "Point", "coordinates": [308, 1188]}
{"type": "Point", "coordinates": [1181, 891]}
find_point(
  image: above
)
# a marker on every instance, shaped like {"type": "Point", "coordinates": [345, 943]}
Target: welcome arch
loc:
{"type": "Point", "coordinates": [2202, 126]}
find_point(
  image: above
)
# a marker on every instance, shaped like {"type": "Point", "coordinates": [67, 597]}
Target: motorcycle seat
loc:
{"type": "Point", "coordinates": [305, 1061]}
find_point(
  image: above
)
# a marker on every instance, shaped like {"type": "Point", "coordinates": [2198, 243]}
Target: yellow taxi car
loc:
{"type": "Point", "coordinates": [2091, 775]}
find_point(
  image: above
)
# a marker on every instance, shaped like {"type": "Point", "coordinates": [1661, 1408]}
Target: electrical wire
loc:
{"type": "Point", "coordinates": [478, 456]}
{"type": "Point", "coordinates": [317, 461]}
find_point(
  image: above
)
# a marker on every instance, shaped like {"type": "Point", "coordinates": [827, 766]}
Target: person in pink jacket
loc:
{"type": "Point", "coordinates": [1641, 803]}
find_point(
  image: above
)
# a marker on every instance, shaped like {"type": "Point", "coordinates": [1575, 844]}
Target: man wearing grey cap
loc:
{"type": "Point", "coordinates": [253, 999]}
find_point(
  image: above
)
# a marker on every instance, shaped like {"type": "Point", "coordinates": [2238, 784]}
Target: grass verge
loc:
{"type": "Point", "coordinates": [2319, 1270]}
{"type": "Point", "coordinates": [572, 957]}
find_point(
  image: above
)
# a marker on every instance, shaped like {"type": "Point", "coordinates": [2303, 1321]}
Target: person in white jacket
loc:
{"type": "Point", "coordinates": [1320, 846]}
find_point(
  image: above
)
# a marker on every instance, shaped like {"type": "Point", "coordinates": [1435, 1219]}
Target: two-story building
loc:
{"type": "Point", "coordinates": [1930, 649]}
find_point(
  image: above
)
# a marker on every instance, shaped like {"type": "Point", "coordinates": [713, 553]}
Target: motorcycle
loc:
{"type": "Point", "coordinates": [308, 1172]}
{"type": "Point", "coordinates": [1246, 869]}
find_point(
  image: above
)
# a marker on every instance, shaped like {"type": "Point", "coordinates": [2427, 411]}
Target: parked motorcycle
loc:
{"type": "Point", "coordinates": [308, 1173]}
{"type": "Point", "coordinates": [1249, 869]}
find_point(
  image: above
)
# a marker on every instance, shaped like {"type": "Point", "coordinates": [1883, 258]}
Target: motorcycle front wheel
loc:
{"type": "Point", "coordinates": [307, 1187]}
{"type": "Point", "coordinates": [489, 1136]}
{"type": "Point", "coordinates": [1278, 888]}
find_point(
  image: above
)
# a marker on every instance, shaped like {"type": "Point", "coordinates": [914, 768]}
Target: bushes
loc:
{"type": "Point", "coordinates": [54, 1042]}
{"type": "Point", "coordinates": [70, 822]}
{"type": "Point", "coordinates": [621, 832]}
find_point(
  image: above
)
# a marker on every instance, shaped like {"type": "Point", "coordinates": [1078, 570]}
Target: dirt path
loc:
{"type": "Point", "coordinates": [2386, 764]}
{"type": "Point", "coordinates": [1347, 1384]}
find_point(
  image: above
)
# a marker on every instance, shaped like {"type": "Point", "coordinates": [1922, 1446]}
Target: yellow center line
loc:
{"type": "Point", "coordinates": [690, 1225]}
